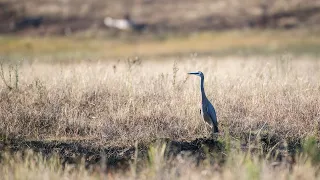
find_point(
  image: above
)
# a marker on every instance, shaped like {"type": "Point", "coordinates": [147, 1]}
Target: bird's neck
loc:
{"type": "Point", "coordinates": [203, 94]}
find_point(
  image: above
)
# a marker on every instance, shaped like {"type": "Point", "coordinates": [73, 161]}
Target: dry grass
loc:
{"type": "Point", "coordinates": [118, 103]}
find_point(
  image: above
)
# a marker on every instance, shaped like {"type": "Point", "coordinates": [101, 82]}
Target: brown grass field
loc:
{"type": "Point", "coordinates": [56, 117]}
{"type": "Point", "coordinates": [118, 103]}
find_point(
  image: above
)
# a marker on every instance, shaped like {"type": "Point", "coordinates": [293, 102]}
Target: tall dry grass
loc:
{"type": "Point", "coordinates": [118, 103]}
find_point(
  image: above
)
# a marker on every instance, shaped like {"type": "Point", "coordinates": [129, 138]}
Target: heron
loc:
{"type": "Point", "coordinates": [207, 110]}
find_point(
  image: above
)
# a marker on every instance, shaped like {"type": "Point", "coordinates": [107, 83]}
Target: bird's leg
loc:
{"type": "Point", "coordinates": [214, 136]}
{"type": "Point", "coordinates": [214, 133]}
{"type": "Point", "coordinates": [209, 128]}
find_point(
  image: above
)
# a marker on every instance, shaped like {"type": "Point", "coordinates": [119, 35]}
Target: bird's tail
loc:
{"type": "Point", "coordinates": [215, 129]}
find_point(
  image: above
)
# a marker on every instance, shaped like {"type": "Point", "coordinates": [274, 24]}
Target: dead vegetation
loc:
{"type": "Point", "coordinates": [123, 102]}
{"type": "Point", "coordinates": [102, 119]}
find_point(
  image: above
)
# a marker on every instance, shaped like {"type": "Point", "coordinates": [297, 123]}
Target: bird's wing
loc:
{"type": "Point", "coordinates": [212, 115]}
{"type": "Point", "coordinates": [214, 124]}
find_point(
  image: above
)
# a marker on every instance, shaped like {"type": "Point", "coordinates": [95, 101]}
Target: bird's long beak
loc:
{"type": "Point", "coordinates": [195, 73]}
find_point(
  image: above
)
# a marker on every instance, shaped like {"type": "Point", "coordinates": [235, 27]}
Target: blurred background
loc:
{"type": "Point", "coordinates": [157, 27]}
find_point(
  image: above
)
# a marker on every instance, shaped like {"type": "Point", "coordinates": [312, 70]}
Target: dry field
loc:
{"type": "Point", "coordinates": [120, 103]}
{"type": "Point", "coordinates": [79, 108]}
{"type": "Point", "coordinates": [81, 101]}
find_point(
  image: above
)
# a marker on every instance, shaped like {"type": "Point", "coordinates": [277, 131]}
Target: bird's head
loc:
{"type": "Point", "coordinates": [199, 73]}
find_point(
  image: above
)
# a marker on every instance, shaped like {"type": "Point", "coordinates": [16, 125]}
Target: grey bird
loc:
{"type": "Point", "coordinates": [207, 110]}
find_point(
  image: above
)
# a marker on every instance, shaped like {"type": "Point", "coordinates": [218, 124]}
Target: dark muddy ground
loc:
{"type": "Point", "coordinates": [121, 157]}
{"type": "Point", "coordinates": [72, 152]}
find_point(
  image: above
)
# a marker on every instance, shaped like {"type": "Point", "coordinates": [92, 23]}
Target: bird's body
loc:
{"type": "Point", "coordinates": [207, 110]}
